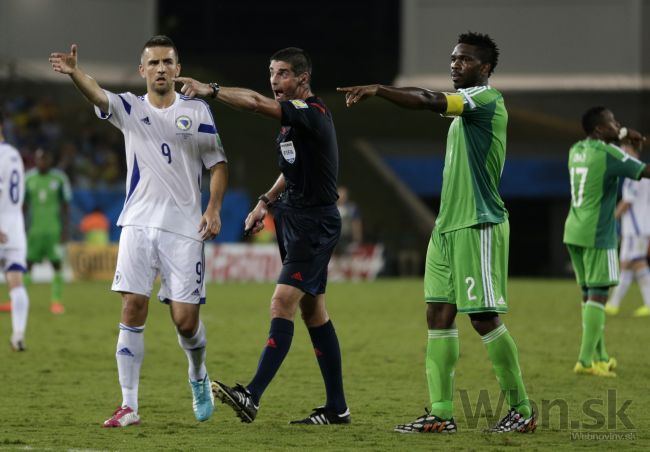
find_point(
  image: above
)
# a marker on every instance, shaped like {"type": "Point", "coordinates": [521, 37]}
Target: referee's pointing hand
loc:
{"type": "Point", "coordinates": [193, 88]}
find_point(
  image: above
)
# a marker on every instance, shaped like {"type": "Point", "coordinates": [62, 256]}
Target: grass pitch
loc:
{"type": "Point", "coordinates": [56, 395]}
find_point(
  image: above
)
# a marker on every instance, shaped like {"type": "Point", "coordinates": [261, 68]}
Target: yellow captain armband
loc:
{"type": "Point", "coordinates": [454, 104]}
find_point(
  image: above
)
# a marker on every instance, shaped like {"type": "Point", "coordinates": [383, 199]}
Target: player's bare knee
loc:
{"type": "Point", "coordinates": [14, 279]}
{"type": "Point", "coordinates": [440, 316]}
{"type": "Point", "coordinates": [282, 308]}
{"type": "Point", "coordinates": [134, 309]}
{"type": "Point", "coordinates": [485, 322]}
{"type": "Point", "coordinates": [314, 317]}
{"type": "Point", "coordinates": [312, 310]}
{"type": "Point", "coordinates": [187, 328]}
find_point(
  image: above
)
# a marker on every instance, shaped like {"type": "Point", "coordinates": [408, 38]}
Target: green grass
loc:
{"type": "Point", "coordinates": [55, 395]}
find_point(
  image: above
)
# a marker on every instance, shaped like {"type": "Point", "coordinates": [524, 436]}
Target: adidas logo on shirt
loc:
{"type": "Point", "coordinates": [146, 120]}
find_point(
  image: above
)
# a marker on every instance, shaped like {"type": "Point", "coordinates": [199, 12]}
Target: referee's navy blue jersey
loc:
{"type": "Point", "coordinates": [308, 154]}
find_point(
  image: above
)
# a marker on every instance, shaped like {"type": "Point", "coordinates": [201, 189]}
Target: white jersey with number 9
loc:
{"type": "Point", "coordinates": [165, 151]}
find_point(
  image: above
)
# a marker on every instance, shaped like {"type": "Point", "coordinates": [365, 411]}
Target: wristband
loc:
{"type": "Point", "coordinates": [265, 199]}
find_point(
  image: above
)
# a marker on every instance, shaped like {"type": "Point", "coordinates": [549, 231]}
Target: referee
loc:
{"type": "Point", "coordinates": [308, 226]}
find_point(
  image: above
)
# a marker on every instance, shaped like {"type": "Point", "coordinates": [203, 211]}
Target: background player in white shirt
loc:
{"type": "Point", "coordinates": [634, 213]}
{"type": "Point", "coordinates": [13, 246]}
{"type": "Point", "coordinates": [168, 138]}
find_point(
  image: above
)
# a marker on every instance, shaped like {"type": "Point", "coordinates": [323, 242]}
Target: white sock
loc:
{"type": "Point", "coordinates": [619, 291]}
{"type": "Point", "coordinates": [129, 354]}
{"type": "Point", "coordinates": [643, 278]}
{"type": "Point", "coordinates": [19, 310]}
{"type": "Point", "coordinates": [195, 350]}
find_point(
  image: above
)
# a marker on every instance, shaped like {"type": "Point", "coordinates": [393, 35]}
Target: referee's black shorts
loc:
{"type": "Point", "coordinates": [306, 238]}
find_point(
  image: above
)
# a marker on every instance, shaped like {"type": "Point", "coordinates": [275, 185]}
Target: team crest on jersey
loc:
{"type": "Point", "coordinates": [299, 104]}
{"type": "Point", "coordinates": [183, 122]}
{"type": "Point", "coordinates": [288, 151]}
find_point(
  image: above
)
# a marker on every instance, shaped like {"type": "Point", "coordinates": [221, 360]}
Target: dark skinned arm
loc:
{"type": "Point", "coordinates": [410, 97]}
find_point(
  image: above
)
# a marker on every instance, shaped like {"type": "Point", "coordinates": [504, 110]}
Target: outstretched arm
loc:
{"type": "Point", "coordinates": [210, 224]}
{"type": "Point", "coordinates": [416, 98]}
{"type": "Point", "coordinates": [66, 63]}
{"type": "Point", "coordinates": [240, 98]}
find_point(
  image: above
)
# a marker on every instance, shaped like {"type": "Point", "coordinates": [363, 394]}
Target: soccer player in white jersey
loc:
{"type": "Point", "coordinates": [168, 138]}
{"type": "Point", "coordinates": [634, 212]}
{"type": "Point", "coordinates": [13, 245]}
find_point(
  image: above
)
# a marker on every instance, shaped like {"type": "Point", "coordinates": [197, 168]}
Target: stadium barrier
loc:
{"type": "Point", "coordinates": [92, 262]}
{"type": "Point", "coordinates": [239, 262]}
{"type": "Point", "coordinates": [244, 262]}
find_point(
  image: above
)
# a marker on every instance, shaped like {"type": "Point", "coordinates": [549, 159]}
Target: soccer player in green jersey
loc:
{"type": "Point", "coordinates": [467, 259]}
{"type": "Point", "coordinates": [595, 166]}
{"type": "Point", "coordinates": [47, 197]}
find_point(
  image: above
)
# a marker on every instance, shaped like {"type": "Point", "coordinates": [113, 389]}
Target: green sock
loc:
{"type": "Point", "coordinates": [442, 354]}
{"type": "Point", "coordinates": [593, 326]}
{"type": "Point", "coordinates": [502, 351]}
{"type": "Point", "coordinates": [57, 286]}
{"type": "Point", "coordinates": [601, 351]}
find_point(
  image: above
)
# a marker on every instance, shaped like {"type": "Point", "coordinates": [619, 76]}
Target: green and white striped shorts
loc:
{"type": "Point", "coordinates": [469, 268]}
{"type": "Point", "coordinates": [594, 267]}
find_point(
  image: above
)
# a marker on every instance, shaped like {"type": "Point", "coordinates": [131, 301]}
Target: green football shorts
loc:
{"type": "Point", "coordinates": [594, 267]}
{"type": "Point", "coordinates": [469, 268]}
{"type": "Point", "coordinates": [41, 246]}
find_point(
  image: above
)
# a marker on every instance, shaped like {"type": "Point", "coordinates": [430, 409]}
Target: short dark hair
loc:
{"type": "Point", "coordinates": [160, 41]}
{"type": "Point", "coordinates": [488, 50]}
{"type": "Point", "coordinates": [592, 118]}
{"type": "Point", "coordinates": [299, 60]}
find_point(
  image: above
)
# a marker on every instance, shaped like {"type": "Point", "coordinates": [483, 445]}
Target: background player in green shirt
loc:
{"type": "Point", "coordinates": [595, 166]}
{"type": "Point", "coordinates": [47, 197]}
{"type": "Point", "coordinates": [467, 259]}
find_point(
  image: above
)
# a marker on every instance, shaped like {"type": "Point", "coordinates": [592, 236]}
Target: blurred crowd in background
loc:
{"type": "Point", "coordinates": [92, 155]}
{"type": "Point", "coordinates": [88, 153]}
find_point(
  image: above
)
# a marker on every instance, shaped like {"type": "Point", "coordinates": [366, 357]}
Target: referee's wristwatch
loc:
{"type": "Point", "coordinates": [215, 89]}
{"type": "Point", "coordinates": [265, 199]}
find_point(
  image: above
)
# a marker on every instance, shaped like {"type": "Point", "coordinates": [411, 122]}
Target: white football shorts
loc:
{"type": "Point", "coordinates": [145, 252]}
{"type": "Point", "coordinates": [634, 247]}
{"type": "Point", "coordinates": [13, 259]}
